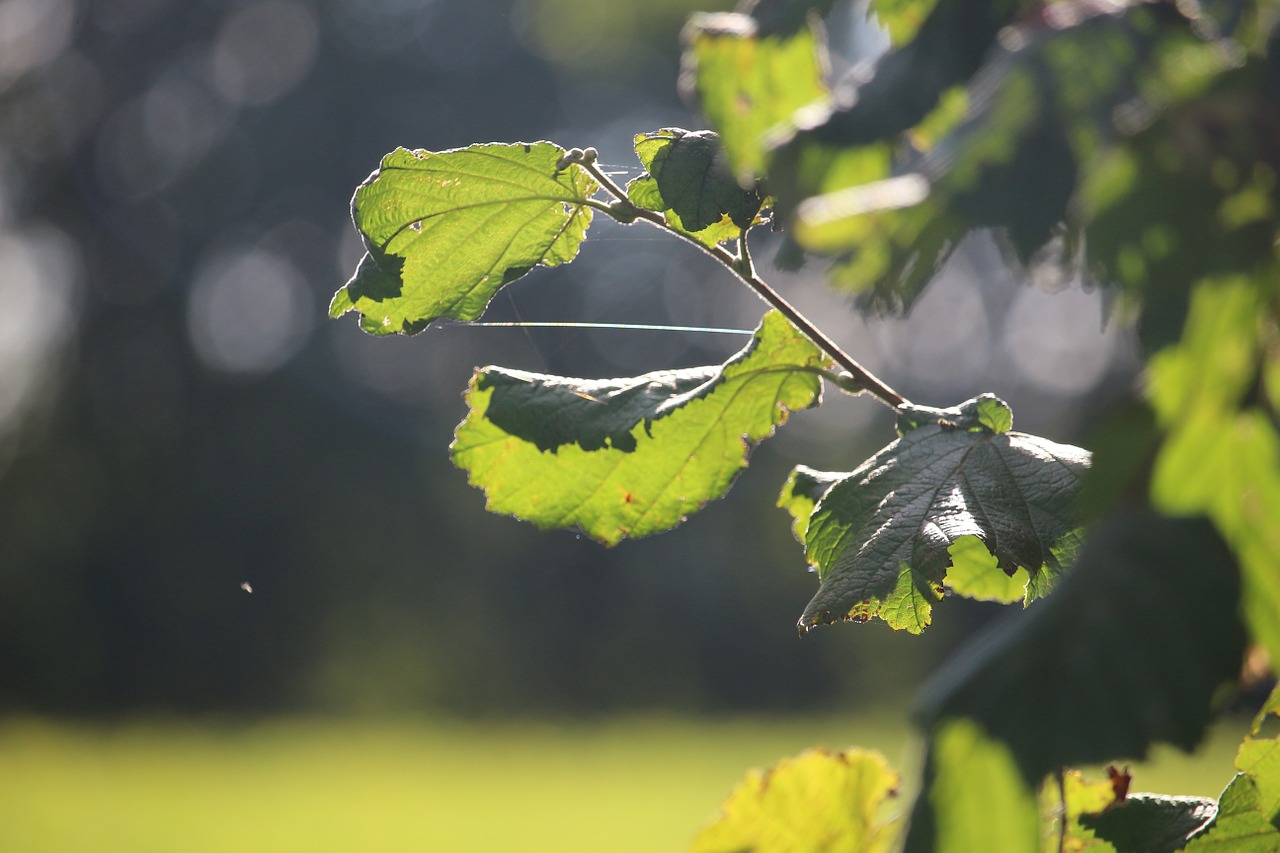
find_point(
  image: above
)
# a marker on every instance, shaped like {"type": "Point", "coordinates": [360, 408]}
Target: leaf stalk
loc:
{"type": "Point", "coordinates": [741, 265]}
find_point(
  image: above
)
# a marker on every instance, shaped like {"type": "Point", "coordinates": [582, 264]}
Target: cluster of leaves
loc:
{"type": "Point", "coordinates": [1135, 140]}
{"type": "Point", "coordinates": [843, 801]}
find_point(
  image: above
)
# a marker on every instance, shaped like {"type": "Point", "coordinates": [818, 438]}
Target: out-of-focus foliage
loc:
{"type": "Point", "coordinates": [816, 801]}
{"type": "Point", "coordinates": [748, 81]}
{"type": "Point", "coordinates": [1134, 144]}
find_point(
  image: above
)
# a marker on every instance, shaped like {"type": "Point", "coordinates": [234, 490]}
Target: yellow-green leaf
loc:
{"type": "Point", "coordinates": [817, 802]}
{"type": "Point", "coordinates": [444, 231]}
{"type": "Point", "coordinates": [630, 457]}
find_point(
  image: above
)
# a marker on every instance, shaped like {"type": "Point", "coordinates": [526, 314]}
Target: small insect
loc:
{"type": "Point", "coordinates": [246, 586]}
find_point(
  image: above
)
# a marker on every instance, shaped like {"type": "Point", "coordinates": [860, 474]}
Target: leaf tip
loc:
{"type": "Point", "coordinates": [341, 303]}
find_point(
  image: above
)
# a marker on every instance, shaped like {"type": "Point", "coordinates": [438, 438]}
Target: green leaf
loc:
{"type": "Point", "coordinates": [1239, 827]}
{"type": "Point", "coordinates": [445, 231]}
{"type": "Point", "coordinates": [1130, 650]}
{"type": "Point", "coordinates": [688, 179]}
{"type": "Point", "coordinates": [1076, 798]}
{"type": "Point", "coordinates": [1259, 758]}
{"type": "Point", "coordinates": [817, 802]}
{"type": "Point", "coordinates": [802, 491]}
{"type": "Point", "coordinates": [901, 18]}
{"type": "Point", "coordinates": [880, 537]}
{"type": "Point", "coordinates": [1271, 706]}
{"type": "Point", "coordinates": [630, 457]}
{"type": "Point", "coordinates": [974, 573]}
{"type": "Point", "coordinates": [1221, 455]}
{"type": "Point", "coordinates": [749, 81]}
{"type": "Point", "coordinates": [1148, 823]}
{"type": "Point", "coordinates": [1035, 124]}
{"type": "Point", "coordinates": [973, 798]}
{"type": "Point", "coordinates": [1164, 210]}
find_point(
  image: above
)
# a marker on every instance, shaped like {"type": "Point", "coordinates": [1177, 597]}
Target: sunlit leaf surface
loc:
{"type": "Point", "coordinates": [880, 538]}
{"type": "Point", "coordinates": [817, 802]}
{"type": "Point", "coordinates": [630, 457]}
{"type": "Point", "coordinates": [1222, 452]}
{"type": "Point", "coordinates": [801, 493]}
{"type": "Point", "coordinates": [749, 81]}
{"type": "Point", "coordinates": [445, 231]}
{"type": "Point", "coordinates": [974, 798]}
{"type": "Point", "coordinates": [688, 179]}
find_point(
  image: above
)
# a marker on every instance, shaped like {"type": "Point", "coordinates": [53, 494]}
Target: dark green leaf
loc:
{"type": "Point", "coordinates": [688, 179]}
{"type": "Point", "coordinates": [445, 231]}
{"type": "Point", "coordinates": [880, 537]}
{"type": "Point", "coordinates": [1130, 650]}
{"type": "Point", "coordinates": [784, 17]}
{"type": "Point", "coordinates": [1034, 121]}
{"type": "Point", "coordinates": [1183, 201]}
{"type": "Point", "coordinates": [1147, 823]}
{"type": "Point", "coordinates": [631, 457]}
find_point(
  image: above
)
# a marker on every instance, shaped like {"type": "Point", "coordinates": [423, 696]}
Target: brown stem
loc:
{"type": "Point", "coordinates": [742, 266]}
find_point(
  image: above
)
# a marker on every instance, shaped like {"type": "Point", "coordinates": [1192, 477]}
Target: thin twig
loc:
{"type": "Point", "coordinates": [744, 269]}
{"type": "Point", "coordinates": [1062, 822]}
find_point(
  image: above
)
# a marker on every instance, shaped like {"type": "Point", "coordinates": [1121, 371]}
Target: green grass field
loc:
{"type": "Point", "coordinates": [307, 785]}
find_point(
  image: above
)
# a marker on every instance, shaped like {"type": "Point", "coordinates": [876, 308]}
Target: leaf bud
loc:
{"type": "Point", "coordinates": [623, 211]}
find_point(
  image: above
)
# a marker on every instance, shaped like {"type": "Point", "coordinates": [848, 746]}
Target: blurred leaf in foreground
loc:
{"type": "Point", "coordinates": [748, 81]}
{"type": "Point", "coordinates": [973, 798]}
{"type": "Point", "coordinates": [1130, 650]}
{"type": "Point", "coordinates": [817, 802]}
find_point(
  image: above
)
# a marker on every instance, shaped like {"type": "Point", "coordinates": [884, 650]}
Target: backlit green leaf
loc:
{"type": "Point", "coordinates": [688, 179]}
{"type": "Point", "coordinates": [1240, 826]}
{"type": "Point", "coordinates": [445, 231]}
{"type": "Point", "coordinates": [1130, 650]}
{"type": "Point", "coordinates": [1259, 758]}
{"type": "Point", "coordinates": [1221, 456]}
{"type": "Point", "coordinates": [802, 491]}
{"type": "Point", "coordinates": [975, 573]}
{"type": "Point", "coordinates": [974, 798]}
{"type": "Point", "coordinates": [630, 457]}
{"type": "Point", "coordinates": [1035, 119]}
{"type": "Point", "coordinates": [749, 81]}
{"type": "Point", "coordinates": [880, 537]}
{"type": "Point", "coordinates": [1269, 707]}
{"type": "Point", "coordinates": [901, 18]}
{"type": "Point", "coordinates": [817, 802]}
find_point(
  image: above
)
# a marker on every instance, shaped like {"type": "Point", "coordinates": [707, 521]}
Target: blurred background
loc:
{"type": "Point", "coordinates": [180, 425]}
